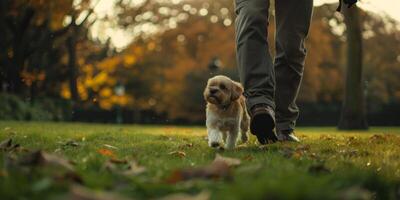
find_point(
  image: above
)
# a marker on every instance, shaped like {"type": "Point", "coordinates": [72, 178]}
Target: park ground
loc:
{"type": "Point", "coordinates": [94, 161]}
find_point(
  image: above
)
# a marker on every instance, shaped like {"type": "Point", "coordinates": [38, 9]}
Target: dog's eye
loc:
{"type": "Point", "coordinates": [222, 86]}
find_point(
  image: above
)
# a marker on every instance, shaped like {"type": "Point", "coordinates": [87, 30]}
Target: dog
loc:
{"type": "Point", "coordinates": [227, 118]}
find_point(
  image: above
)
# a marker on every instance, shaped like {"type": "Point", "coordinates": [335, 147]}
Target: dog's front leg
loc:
{"type": "Point", "coordinates": [214, 137]}
{"type": "Point", "coordinates": [232, 137]}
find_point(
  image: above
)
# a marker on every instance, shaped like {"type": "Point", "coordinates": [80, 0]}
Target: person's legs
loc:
{"type": "Point", "coordinates": [255, 66]}
{"type": "Point", "coordinates": [253, 57]}
{"type": "Point", "coordinates": [292, 24]}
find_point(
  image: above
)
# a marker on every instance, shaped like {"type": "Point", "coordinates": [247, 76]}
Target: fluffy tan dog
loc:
{"type": "Point", "coordinates": [227, 117]}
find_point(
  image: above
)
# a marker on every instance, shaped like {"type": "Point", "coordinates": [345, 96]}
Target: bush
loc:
{"type": "Point", "coordinates": [44, 109]}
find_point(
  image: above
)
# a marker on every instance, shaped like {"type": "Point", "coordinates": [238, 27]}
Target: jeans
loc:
{"type": "Point", "coordinates": [273, 83]}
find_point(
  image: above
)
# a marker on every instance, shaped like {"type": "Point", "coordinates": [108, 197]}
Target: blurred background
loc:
{"type": "Point", "coordinates": [147, 61]}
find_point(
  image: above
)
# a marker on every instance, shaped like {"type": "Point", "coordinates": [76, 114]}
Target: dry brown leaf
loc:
{"type": "Point", "coordinates": [231, 162]}
{"type": "Point", "coordinates": [219, 168]}
{"type": "Point", "coordinates": [180, 154]}
{"type": "Point", "coordinates": [204, 195]}
{"type": "Point", "coordinates": [43, 158]}
{"type": "Point", "coordinates": [82, 193]}
{"type": "Point", "coordinates": [215, 170]}
{"type": "Point", "coordinates": [184, 146]}
{"type": "Point", "coordinates": [5, 144]}
{"type": "Point", "coordinates": [131, 168]}
{"type": "Point", "coordinates": [118, 161]}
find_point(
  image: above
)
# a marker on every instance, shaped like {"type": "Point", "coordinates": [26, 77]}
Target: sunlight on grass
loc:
{"type": "Point", "coordinates": [328, 164]}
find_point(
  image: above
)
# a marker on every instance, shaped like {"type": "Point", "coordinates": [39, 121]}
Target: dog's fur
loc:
{"type": "Point", "coordinates": [227, 118]}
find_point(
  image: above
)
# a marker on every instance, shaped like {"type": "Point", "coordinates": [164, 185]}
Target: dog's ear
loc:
{"type": "Point", "coordinates": [206, 88]}
{"type": "Point", "coordinates": [237, 90]}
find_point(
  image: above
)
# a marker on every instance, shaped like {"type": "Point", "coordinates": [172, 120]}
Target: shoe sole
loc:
{"type": "Point", "coordinates": [262, 125]}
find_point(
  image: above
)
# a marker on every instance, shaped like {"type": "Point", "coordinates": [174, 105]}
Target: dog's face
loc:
{"type": "Point", "coordinates": [221, 90]}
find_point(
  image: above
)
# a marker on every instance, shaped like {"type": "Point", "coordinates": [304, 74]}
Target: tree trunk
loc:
{"type": "Point", "coordinates": [72, 68]}
{"type": "Point", "coordinates": [353, 115]}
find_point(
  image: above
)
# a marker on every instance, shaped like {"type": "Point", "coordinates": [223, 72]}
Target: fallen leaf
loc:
{"type": "Point", "coordinates": [118, 161]}
{"type": "Point", "coordinates": [123, 167]}
{"type": "Point", "coordinates": [106, 152]}
{"type": "Point", "coordinates": [219, 168]}
{"type": "Point", "coordinates": [180, 154]}
{"type": "Point", "coordinates": [7, 145]}
{"type": "Point", "coordinates": [213, 171]}
{"type": "Point", "coordinates": [184, 146]}
{"type": "Point", "coordinates": [42, 158]}
{"type": "Point", "coordinates": [231, 162]}
{"type": "Point", "coordinates": [82, 193]}
{"type": "Point", "coordinates": [205, 195]}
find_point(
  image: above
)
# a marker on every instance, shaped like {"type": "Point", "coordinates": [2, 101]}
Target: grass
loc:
{"type": "Point", "coordinates": [328, 164]}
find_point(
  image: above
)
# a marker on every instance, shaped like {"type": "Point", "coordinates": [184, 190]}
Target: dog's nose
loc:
{"type": "Point", "coordinates": [213, 91]}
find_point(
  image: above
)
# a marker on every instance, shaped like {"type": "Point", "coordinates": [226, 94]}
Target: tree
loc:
{"type": "Point", "coordinates": [29, 32]}
{"type": "Point", "coordinates": [76, 31]}
{"type": "Point", "coordinates": [353, 114]}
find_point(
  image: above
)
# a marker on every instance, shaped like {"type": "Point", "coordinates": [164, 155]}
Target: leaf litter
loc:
{"type": "Point", "coordinates": [180, 154]}
{"type": "Point", "coordinates": [8, 145]}
{"type": "Point", "coordinates": [124, 167]}
{"type": "Point", "coordinates": [220, 168]}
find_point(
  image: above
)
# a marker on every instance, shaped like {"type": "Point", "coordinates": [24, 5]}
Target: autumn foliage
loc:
{"type": "Point", "coordinates": [165, 66]}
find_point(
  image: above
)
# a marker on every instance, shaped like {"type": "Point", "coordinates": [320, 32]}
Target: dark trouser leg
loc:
{"type": "Point", "coordinates": [292, 23]}
{"type": "Point", "coordinates": [254, 60]}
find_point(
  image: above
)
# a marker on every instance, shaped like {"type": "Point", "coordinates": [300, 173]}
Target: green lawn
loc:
{"type": "Point", "coordinates": [328, 164]}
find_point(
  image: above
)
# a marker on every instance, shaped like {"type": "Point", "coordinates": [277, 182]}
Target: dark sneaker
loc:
{"type": "Point", "coordinates": [262, 124]}
{"type": "Point", "coordinates": [287, 135]}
